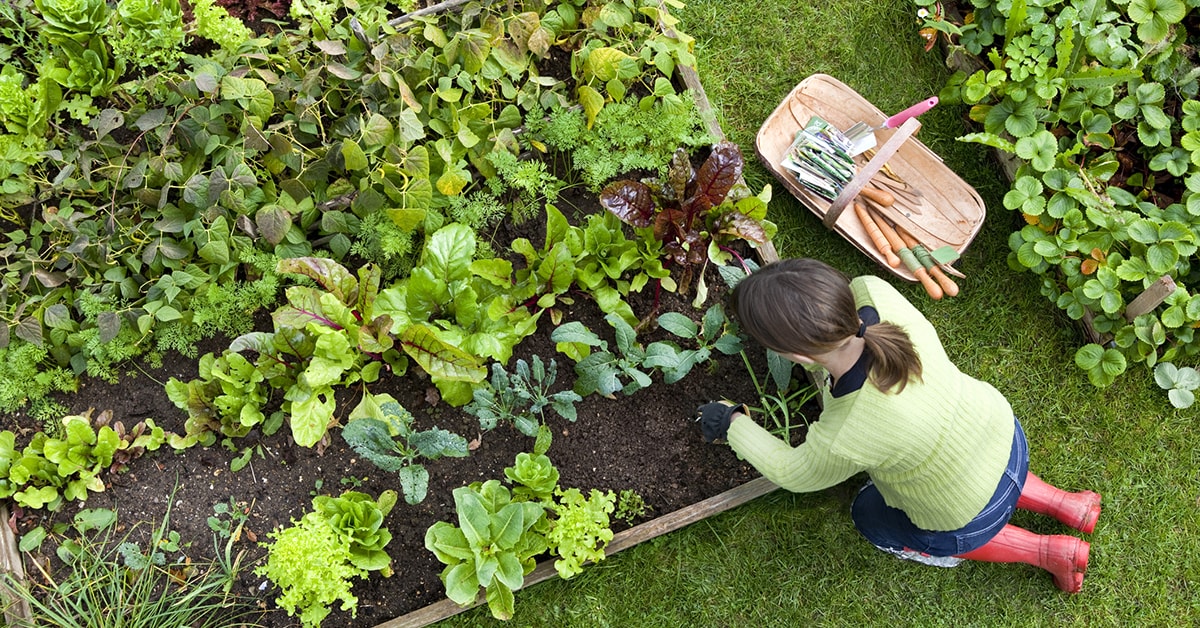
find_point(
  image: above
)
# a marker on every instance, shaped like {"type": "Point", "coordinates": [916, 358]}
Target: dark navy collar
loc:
{"type": "Point", "coordinates": [852, 380]}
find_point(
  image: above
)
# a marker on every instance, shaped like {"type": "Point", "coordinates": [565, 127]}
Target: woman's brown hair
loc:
{"type": "Point", "coordinates": [805, 306]}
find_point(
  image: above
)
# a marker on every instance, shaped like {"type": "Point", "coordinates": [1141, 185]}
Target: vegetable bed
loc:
{"type": "Point", "coordinates": [219, 457]}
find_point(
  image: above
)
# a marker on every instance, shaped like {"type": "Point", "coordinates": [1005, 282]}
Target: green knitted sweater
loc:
{"type": "Point", "coordinates": [936, 450]}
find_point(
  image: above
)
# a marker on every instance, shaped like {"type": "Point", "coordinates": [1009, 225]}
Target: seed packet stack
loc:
{"type": "Point", "coordinates": [820, 158]}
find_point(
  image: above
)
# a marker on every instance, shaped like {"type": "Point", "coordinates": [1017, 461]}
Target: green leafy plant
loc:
{"type": "Point", "coordinates": [73, 20]}
{"type": "Point", "coordinates": [88, 69]}
{"type": "Point", "coordinates": [1107, 179]}
{"type": "Point", "coordinates": [105, 573]}
{"type": "Point", "coordinates": [713, 334]}
{"type": "Point", "coordinates": [501, 533]}
{"type": "Point", "coordinates": [580, 528]}
{"type": "Point", "coordinates": [625, 136]}
{"type": "Point", "coordinates": [528, 180]}
{"type": "Point", "coordinates": [151, 34]}
{"type": "Point", "coordinates": [1179, 382]}
{"type": "Point", "coordinates": [779, 406]}
{"type": "Point", "coordinates": [324, 337]}
{"type": "Point", "coordinates": [693, 212]}
{"type": "Point", "coordinates": [453, 311]}
{"type": "Point", "coordinates": [630, 506]}
{"type": "Point", "coordinates": [313, 560]}
{"type": "Point", "coordinates": [358, 518]}
{"type": "Point", "coordinates": [382, 431]}
{"type": "Point", "coordinates": [51, 471]}
{"type": "Point", "coordinates": [534, 477]}
{"type": "Point", "coordinates": [215, 24]}
{"type": "Point", "coordinates": [522, 398]}
{"type": "Point", "coordinates": [602, 371]}
{"type": "Point", "coordinates": [619, 51]}
{"type": "Point", "coordinates": [493, 547]}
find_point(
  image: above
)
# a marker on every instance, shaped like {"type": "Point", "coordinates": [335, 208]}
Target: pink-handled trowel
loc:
{"type": "Point", "coordinates": [862, 135]}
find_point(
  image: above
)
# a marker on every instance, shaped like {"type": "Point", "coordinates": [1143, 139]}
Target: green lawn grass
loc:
{"type": "Point", "coordinates": [796, 559]}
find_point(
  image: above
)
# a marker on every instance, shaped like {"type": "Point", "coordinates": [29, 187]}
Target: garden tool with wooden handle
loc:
{"type": "Point", "coordinates": [877, 237]}
{"type": "Point", "coordinates": [883, 198]}
{"type": "Point", "coordinates": [947, 284]}
{"type": "Point", "coordinates": [910, 260]}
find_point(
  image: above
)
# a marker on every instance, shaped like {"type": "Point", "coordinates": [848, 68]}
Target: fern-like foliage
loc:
{"type": "Point", "coordinates": [624, 138]}
{"type": "Point", "coordinates": [27, 374]}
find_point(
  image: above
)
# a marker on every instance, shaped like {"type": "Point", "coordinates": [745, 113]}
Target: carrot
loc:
{"type": "Point", "coordinates": [876, 235]}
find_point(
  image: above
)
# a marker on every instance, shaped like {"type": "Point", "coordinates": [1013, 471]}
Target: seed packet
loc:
{"type": "Point", "coordinates": [820, 158]}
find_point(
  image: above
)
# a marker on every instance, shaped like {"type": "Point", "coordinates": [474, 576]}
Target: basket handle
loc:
{"type": "Point", "coordinates": [868, 171]}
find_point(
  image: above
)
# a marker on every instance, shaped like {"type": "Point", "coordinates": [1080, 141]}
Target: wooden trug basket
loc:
{"type": "Point", "coordinates": [934, 204]}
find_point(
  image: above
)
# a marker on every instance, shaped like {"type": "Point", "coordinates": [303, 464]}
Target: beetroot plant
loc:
{"type": "Point", "coordinates": [694, 212]}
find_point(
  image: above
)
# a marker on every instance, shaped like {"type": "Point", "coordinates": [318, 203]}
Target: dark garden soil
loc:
{"type": "Point", "coordinates": [646, 442]}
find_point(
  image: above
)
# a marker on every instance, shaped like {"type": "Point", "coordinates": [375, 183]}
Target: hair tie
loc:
{"type": "Point", "coordinates": [862, 330]}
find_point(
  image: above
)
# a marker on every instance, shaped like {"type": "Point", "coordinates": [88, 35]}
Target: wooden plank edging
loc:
{"type": "Point", "coordinates": [622, 540]}
{"type": "Point", "coordinates": [16, 608]}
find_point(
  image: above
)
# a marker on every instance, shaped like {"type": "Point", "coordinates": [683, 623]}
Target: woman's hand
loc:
{"type": "Point", "coordinates": [714, 418]}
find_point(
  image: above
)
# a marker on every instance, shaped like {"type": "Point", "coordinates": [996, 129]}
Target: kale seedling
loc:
{"type": "Point", "coordinates": [522, 398]}
{"type": "Point", "coordinates": [713, 334]}
{"type": "Point", "coordinates": [382, 431]}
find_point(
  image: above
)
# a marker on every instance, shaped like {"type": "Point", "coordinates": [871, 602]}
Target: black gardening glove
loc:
{"type": "Point", "coordinates": [714, 418]}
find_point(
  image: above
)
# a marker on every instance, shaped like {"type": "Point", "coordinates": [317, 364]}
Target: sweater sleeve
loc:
{"type": "Point", "coordinates": [810, 467]}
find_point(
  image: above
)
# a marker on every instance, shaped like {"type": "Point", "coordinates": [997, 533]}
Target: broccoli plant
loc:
{"type": "Point", "coordinates": [714, 333]}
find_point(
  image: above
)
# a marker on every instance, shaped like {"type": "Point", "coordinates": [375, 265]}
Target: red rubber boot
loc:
{"type": "Point", "coordinates": [1078, 510]}
{"type": "Point", "coordinates": [1065, 557]}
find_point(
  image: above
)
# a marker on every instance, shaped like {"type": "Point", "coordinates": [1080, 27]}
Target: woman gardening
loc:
{"type": "Point", "coordinates": [947, 460]}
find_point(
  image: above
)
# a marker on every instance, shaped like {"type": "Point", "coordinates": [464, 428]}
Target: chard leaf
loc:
{"type": "Point", "coordinates": [311, 410]}
{"type": "Point", "coordinates": [716, 177]}
{"type": "Point", "coordinates": [631, 201]}
{"type": "Point", "coordinates": [449, 253]}
{"type": "Point", "coordinates": [439, 358]}
{"type": "Point", "coordinates": [329, 274]}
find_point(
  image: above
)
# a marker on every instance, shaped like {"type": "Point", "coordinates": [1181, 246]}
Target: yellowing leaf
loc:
{"type": "Point", "coordinates": [592, 102]}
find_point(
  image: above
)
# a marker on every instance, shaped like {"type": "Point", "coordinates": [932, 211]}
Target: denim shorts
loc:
{"type": "Point", "coordinates": [891, 530]}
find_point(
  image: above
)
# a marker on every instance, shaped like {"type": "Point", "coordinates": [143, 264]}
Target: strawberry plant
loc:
{"type": "Point", "coordinates": [1099, 107]}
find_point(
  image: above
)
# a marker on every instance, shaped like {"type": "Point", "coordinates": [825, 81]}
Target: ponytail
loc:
{"type": "Point", "coordinates": [894, 358]}
{"type": "Point", "coordinates": [805, 306]}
